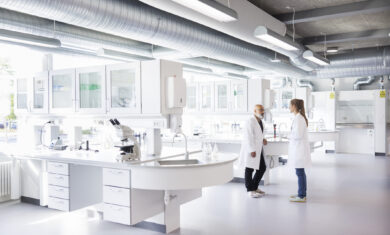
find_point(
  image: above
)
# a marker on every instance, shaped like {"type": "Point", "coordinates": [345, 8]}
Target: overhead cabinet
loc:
{"type": "Point", "coordinates": [90, 90]}
{"type": "Point", "coordinates": [222, 91]}
{"type": "Point", "coordinates": [124, 88]}
{"type": "Point", "coordinates": [206, 92]}
{"type": "Point", "coordinates": [40, 93]}
{"type": "Point", "coordinates": [62, 91]}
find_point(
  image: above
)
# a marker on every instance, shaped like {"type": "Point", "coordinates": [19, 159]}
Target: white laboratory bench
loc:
{"type": "Point", "coordinates": [275, 148]}
{"type": "Point", "coordinates": [126, 192]}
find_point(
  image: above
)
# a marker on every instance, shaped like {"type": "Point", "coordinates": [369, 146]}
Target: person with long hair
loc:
{"type": "Point", "coordinates": [299, 148]}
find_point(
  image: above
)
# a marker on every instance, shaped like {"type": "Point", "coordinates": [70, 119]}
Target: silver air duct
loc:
{"type": "Point", "coordinates": [359, 63]}
{"type": "Point", "coordinates": [304, 83]}
{"type": "Point", "coordinates": [363, 81]}
{"type": "Point", "coordinates": [136, 20]}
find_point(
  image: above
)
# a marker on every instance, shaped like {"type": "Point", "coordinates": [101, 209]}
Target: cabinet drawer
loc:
{"type": "Point", "coordinates": [115, 177]}
{"type": "Point", "coordinates": [117, 214]}
{"type": "Point", "coordinates": [58, 204]}
{"type": "Point", "coordinates": [58, 192]}
{"type": "Point", "coordinates": [58, 180]}
{"type": "Point", "coordinates": [58, 168]}
{"type": "Point", "coordinates": [117, 196]}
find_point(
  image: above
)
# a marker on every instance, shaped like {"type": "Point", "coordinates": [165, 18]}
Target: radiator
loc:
{"type": "Point", "coordinates": [5, 180]}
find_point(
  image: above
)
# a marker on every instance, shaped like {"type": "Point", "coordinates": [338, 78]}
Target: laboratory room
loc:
{"type": "Point", "coordinates": [195, 117]}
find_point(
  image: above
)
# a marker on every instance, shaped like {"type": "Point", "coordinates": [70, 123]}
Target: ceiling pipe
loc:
{"type": "Point", "coordinates": [136, 20]}
{"type": "Point", "coordinates": [81, 39]}
{"type": "Point", "coordinates": [304, 83]}
{"type": "Point", "coordinates": [363, 81]}
{"type": "Point", "coordinates": [359, 63]}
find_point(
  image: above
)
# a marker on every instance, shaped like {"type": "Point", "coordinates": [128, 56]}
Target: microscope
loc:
{"type": "Point", "coordinates": [128, 144]}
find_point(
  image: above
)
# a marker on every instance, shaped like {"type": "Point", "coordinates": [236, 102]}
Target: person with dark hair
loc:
{"type": "Point", "coordinates": [299, 148]}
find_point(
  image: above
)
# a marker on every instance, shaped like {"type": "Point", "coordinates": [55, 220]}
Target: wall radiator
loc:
{"type": "Point", "coordinates": [5, 180]}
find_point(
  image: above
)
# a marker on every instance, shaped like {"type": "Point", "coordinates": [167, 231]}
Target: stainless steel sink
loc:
{"type": "Point", "coordinates": [179, 162]}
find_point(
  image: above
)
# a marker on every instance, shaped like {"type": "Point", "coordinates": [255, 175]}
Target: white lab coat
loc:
{"type": "Point", "coordinates": [299, 148]}
{"type": "Point", "coordinates": [252, 141]}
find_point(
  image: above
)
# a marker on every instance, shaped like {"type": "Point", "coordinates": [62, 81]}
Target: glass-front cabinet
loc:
{"type": "Point", "coordinates": [123, 88]}
{"type": "Point", "coordinates": [62, 91]}
{"type": "Point", "coordinates": [40, 93]}
{"type": "Point", "coordinates": [206, 96]}
{"type": "Point", "coordinates": [90, 90]}
{"type": "Point", "coordinates": [239, 96]}
{"type": "Point", "coordinates": [222, 91]}
{"type": "Point", "coordinates": [192, 97]}
{"type": "Point", "coordinates": [21, 96]}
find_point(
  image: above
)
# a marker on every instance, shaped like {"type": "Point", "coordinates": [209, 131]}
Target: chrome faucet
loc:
{"type": "Point", "coordinates": [186, 154]}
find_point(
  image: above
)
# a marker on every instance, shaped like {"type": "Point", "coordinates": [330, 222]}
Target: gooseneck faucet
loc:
{"type": "Point", "coordinates": [185, 143]}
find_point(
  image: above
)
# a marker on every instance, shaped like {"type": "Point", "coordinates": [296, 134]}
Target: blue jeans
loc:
{"type": "Point", "coordinates": [301, 182]}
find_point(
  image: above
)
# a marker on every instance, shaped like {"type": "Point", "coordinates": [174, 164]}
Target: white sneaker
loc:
{"type": "Point", "coordinates": [260, 192]}
{"type": "Point", "coordinates": [254, 194]}
{"type": "Point", "coordinates": [297, 199]}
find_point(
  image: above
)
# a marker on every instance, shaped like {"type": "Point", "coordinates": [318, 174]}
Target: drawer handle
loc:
{"type": "Point", "coordinates": [60, 166]}
{"type": "Point", "coordinates": [59, 189]}
{"type": "Point", "coordinates": [116, 191]}
{"type": "Point", "coordinates": [116, 172]}
{"type": "Point", "coordinates": [59, 177]}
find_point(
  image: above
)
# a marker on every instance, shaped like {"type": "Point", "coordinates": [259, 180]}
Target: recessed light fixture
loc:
{"type": "Point", "coordinates": [332, 49]}
{"type": "Point", "coordinates": [30, 39]}
{"type": "Point", "coordinates": [309, 55]}
{"type": "Point", "coordinates": [270, 36]}
{"type": "Point", "coordinates": [210, 8]}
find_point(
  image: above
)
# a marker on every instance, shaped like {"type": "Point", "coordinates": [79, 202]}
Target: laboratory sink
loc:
{"type": "Point", "coordinates": [179, 162]}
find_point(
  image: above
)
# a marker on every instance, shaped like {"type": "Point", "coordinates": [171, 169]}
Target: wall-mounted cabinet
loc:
{"type": "Point", "coordinates": [285, 95]}
{"type": "Point", "coordinates": [21, 96]}
{"type": "Point", "coordinates": [62, 91]}
{"type": "Point", "coordinates": [40, 93]}
{"type": "Point", "coordinates": [124, 88]}
{"type": "Point", "coordinates": [222, 91]}
{"type": "Point", "coordinates": [91, 90]}
{"type": "Point", "coordinates": [206, 96]}
{"type": "Point", "coordinates": [239, 96]}
{"type": "Point", "coordinates": [192, 98]}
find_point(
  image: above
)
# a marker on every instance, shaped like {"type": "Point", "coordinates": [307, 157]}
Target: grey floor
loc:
{"type": "Point", "coordinates": [348, 194]}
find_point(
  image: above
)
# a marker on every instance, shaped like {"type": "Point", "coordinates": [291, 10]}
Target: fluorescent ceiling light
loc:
{"type": "Point", "coordinates": [118, 55]}
{"type": "Point", "coordinates": [275, 39]}
{"type": "Point", "coordinates": [309, 55]}
{"type": "Point", "coordinates": [210, 8]}
{"type": "Point", "coordinates": [30, 39]}
{"type": "Point", "coordinates": [332, 49]}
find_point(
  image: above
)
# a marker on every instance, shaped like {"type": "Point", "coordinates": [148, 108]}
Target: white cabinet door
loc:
{"type": "Point", "coordinates": [40, 93]}
{"type": "Point", "coordinates": [62, 91]}
{"type": "Point", "coordinates": [21, 98]}
{"type": "Point", "coordinates": [222, 91]}
{"type": "Point", "coordinates": [192, 98]}
{"type": "Point", "coordinates": [90, 90]}
{"type": "Point", "coordinates": [124, 88]}
{"type": "Point", "coordinates": [206, 96]}
{"type": "Point", "coordinates": [239, 96]}
{"type": "Point", "coordinates": [286, 95]}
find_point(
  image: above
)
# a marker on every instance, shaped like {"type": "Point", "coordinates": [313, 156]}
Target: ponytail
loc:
{"type": "Point", "coordinates": [300, 106]}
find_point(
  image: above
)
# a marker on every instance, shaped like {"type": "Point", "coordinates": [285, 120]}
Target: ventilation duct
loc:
{"type": "Point", "coordinates": [359, 63]}
{"type": "Point", "coordinates": [304, 83]}
{"type": "Point", "coordinates": [363, 81]}
{"type": "Point", "coordinates": [136, 20]}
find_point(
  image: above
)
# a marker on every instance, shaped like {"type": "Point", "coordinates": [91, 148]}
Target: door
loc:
{"type": "Point", "coordinates": [124, 88]}
{"type": "Point", "coordinates": [90, 90]}
{"type": "Point", "coordinates": [40, 93]}
{"type": "Point", "coordinates": [62, 91]}
{"type": "Point", "coordinates": [222, 91]}
{"type": "Point", "coordinates": [239, 96]}
{"type": "Point", "coordinates": [206, 96]}
{"type": "Point", "coordinates": [21, 104]}
{"type": "Point", "coordinates": [192, 98]}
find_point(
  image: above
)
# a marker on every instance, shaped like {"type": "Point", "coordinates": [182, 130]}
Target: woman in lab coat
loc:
{"type": "Point", "coordinates": [299, 148]}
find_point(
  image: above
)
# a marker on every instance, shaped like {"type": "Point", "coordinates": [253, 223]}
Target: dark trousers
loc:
{"type": "Point", "coordinates": [252, 182]}
{"type": "Point", "coordinates": [302, 185]}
